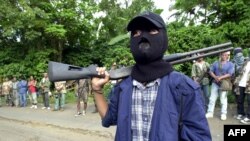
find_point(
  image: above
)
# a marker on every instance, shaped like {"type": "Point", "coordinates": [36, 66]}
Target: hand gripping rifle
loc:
{"type": "Point", "coordinates": [62, 72]}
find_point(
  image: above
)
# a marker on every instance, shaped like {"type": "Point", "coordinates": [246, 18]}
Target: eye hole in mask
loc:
{"type": "Point", "coordinates": [143, 26]}
{"type": "Point", "coordinates": [138, 32]}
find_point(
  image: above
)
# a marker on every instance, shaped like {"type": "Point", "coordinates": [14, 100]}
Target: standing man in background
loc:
{"type": "Point", "coordinates": [222, 69]}
{"type": "Point", "coordinates": [82, 92]}
{"type": "Point", "coordinates": [22, 90]}
{"type": "Point", "coordinates": [242, 86]}
{"type": "Point", "coordinates": [200, 75]}
{"type": "Point", "coordinates": [16, 98]}
{"type": "Point", "coordinates": [32, 91]}
{"type": "Point", "coordinates": [60, 92]}
{"type": "Point", "coordinates": [45, 86]}
{"type": "Point", "coordinates": [7, 91]}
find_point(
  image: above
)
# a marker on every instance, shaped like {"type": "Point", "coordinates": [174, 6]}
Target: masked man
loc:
{"type": "Point", "coordinates": [155, 103]}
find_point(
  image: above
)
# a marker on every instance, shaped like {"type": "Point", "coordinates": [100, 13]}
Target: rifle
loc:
{"type": "Point", "coordinates": [62, 72]}
{"type": "Point", "coordinates": [203, 75]}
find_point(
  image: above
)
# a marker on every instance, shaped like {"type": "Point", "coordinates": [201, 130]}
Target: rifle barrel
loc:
{"type": "Point", "coordinates": [178, 56]}
{"type": "Point", "coordinates": [200, 56]}
{"type": "Point", "coordinates": [126, 71]}
{"type": "Point", "coordinates": [224, 45]}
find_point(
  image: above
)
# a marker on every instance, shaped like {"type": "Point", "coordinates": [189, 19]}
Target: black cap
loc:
{"type": "Point", "coordinates": [237, 50]}
{"type": "Point", "coordinates": [149, 16]}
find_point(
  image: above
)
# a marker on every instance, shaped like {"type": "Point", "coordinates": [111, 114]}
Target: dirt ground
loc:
{"type": "Point", "coordinates": [25, 124]}
{"type": "Point", "coordinates": [14, 130]}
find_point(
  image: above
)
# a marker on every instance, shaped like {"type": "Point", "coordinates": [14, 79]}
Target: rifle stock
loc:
{"type": "Point", "coordinates": [62, 72]}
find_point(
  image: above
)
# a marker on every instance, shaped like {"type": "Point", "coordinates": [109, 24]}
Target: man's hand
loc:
{"type": "Point", "coordinates": [99, 82]}
{"type": "Point", "coordinates": [97, 85]}
{"type": "Point", "coordinates": [217, 79]}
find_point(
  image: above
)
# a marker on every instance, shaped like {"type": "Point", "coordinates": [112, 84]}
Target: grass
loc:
{"type": "Point", "coordinates": [69, 98]}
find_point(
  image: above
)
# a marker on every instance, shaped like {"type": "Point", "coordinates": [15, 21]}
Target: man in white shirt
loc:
{"type": "Point", "coordinates": [242, 83]}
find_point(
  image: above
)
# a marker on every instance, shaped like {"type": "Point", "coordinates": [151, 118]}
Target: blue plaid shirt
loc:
{"type": "Point", "coordinates": [164, 124]}
{"type": "Point", "coordinates": [143, 102]}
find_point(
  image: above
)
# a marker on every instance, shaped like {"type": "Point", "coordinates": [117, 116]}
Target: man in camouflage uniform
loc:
{"type": "Point", "coordinates": [7, 91]}
{"type": "Point", "coordinates": [45, 86]}
{"type": "Point", "coordinates": [200, 75]}
{"type": "Point", "coordinates": [82, 91]}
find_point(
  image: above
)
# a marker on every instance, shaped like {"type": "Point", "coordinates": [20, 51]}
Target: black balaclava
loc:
{"type": "Point", "coordinates": [148, 49]}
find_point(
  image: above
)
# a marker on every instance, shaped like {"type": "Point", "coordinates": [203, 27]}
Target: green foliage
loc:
{"type": "Point", "coordinates": [211, 12]}
{"type": "Point", "coordinates": [231, 97]}
{"type": "Point", "coordinates": [55, 31]}
{"type": "Point", "coordinates": [234, 11]}
{"type": "Point", "coordinates": [120, 55]}
{"type": "Point", "coordinates": [70, 97]}
{"type": "Point", "coordinates": [34, 63]}
{"type": "Point", "coordinates": [106, 90]}
{"type": "Point", "coordinates": [184, 39]}
{"type": "Point", "coordinates": [238, 33]}
{"type": "Point", "coordinates": [69, 31]}
{"type": "Point", "coordinates": [79, 56]}
{"type": "Point", "coordinates": [118, 39]}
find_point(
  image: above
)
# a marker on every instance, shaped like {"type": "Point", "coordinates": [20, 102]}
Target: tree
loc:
{"type": "Point", "coordinates": [214, 12]}
{"type": "Point", "coordinates": [31, 30]}
{"type": "Point", "coordinates": [113, 35]}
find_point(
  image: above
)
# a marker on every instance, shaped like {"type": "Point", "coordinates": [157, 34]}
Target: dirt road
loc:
{"type": "Point", "coordinates": [14, 130]}
{"type": "Point", "coordinates": [25, 124]}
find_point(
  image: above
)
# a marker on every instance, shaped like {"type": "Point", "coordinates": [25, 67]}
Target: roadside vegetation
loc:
{"type": "Point", "coordinates": [90, 32]}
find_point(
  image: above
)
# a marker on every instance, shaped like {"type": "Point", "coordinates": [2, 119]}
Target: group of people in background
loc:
{"type": "Point", "coordinates": [209, 77]}
{"type": "Point", "coordinates": [14, 93]}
